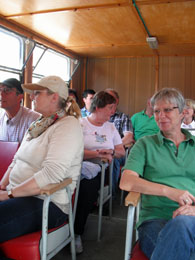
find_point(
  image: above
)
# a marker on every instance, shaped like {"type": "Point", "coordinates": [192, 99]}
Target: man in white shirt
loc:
{"type": "Point", "coordinates": [14, 118]}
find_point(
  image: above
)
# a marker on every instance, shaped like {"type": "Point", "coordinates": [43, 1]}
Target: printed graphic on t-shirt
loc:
{"type": "Point", "coordinates": [100, 138]}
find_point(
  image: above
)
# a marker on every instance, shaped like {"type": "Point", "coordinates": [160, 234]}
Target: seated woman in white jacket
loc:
{"type": "Point", "coordinates": [101, 140]}
{"type": "Point", "coordinates": [51, 151]}
{"type": "Point", "coordinates": [189, 114]}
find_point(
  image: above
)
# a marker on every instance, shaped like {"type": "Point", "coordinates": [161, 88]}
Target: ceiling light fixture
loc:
{"type": "Point", "coordinates": [152, 42]}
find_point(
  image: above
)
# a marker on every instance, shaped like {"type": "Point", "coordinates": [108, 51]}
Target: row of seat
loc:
{"type": "Point", "coordinates": [45, 244]}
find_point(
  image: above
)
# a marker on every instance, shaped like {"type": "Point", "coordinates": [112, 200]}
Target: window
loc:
{"type": "Point", "coordinates": [11, 53]}
{"type": "Point", "coordinates": [45, 61]}
{"type": "Point", "coordinates": [48, 62]}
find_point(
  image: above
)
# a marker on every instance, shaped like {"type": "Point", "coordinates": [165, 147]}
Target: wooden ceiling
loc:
{"type": "Point", "coordinates": [106, 28]}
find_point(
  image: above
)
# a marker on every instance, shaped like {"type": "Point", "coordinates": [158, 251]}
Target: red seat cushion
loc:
{"type": "Point", "coordinates": [25, 247]}
{"type": "Point", "coordinates": [22, 248]}
{"type": "Point", "coordinates": [137, 254]}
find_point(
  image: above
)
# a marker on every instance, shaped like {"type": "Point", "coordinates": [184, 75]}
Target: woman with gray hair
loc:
{"type": "Point", "coordinates": [162, 168]}
{"type": "Point", "coordinates": [51, 151]}
{"type": "Point", "coordinates": [189, 113]}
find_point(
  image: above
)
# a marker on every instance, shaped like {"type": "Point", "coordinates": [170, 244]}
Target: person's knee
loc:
{"type": "Point", "coordinates": [180, 227]}
{"type": "Point", "coordinates": [180, 222]}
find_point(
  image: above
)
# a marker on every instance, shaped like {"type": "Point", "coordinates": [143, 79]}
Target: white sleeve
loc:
{"type": "Point", "coordinates": [65, 148]}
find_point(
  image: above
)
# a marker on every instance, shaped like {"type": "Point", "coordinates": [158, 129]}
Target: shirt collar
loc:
{"type": "Point", "coordinates": [189, 138]}
{"type": "Point", "coordinates": [16, 117]}
{"type": "Point", "coordinates": [191, 125]}
{"type": "Point", "coordinates": [144, 113]}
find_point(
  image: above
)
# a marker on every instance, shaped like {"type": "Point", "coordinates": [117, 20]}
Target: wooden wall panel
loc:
{"type": "Point", "coordinates": [132, 85]}
{"type": "Point", "coordinates": [122, 83]}
{"type": "Point", "coordinates": [145, 82]}
{"type": "Point", "coordinates": [178, 72]}
{"type": "Point", "coordinates": [134, 78]}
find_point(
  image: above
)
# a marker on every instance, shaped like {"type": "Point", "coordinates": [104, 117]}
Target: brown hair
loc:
{"type": "Point", "coordinates": [69, 105]}
{"type": "Point", "coordinates": [100, 100]}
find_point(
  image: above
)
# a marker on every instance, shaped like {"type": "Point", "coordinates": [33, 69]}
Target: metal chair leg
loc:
{"type": "Point", "coordinates": [71, 224]}
{"type": "Point", "coordinates": [110, 188]}
{"type": "Point", "coordinates": [122, 191]}
{"type": "Point", "coordinates": [129, 232]}
{"type": "Point", "coordinates": [101, 200]}
{"type": "Point", "coordinates": [45, 227]}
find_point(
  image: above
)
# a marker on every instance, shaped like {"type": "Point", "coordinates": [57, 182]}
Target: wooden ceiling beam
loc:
{"type": "Point", "coordinates": [106, 45]}
{"type": "Point", "coordinates": [36, 37]}
{"type": "Point", "coordinates": [125, 44]}
{"type": "Point", "coordinates": [69, 9]}
{"type": "Point", "coordinates": [152, 2]}
{"type": "Point", "coordinates": [88, 7]}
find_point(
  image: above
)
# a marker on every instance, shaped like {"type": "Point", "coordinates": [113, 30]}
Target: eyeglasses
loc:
{"type": "Point", "coordinates": [165, 110]}
{"type": "Point", "coordinates": [6, 90]}
{"type": "Point", "coordinates": [37, 92]}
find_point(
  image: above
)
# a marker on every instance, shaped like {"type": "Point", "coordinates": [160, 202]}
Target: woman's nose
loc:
{"type": "Point", "coordinates": [162, 113]}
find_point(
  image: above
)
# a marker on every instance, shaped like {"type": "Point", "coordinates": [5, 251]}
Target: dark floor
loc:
{"type": "Point", "coordinates": [112, 244]}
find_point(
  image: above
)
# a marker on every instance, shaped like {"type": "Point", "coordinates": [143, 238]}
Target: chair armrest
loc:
{"type": "Point", "coordinates": [51, 188]}
{"type": "Point", "coordinates": [128, 146]}
{"type": "Point", "coordinates": [132, 198]}
{"type": "Point", "coordinates": [104, 160]}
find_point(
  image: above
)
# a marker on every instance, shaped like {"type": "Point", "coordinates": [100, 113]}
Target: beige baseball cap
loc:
{"type": "Point", "coordinates": [53, 83]}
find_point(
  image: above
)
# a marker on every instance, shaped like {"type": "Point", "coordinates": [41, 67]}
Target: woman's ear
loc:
{"type": "Point", "coordinates": [183, 115]}
{"type": "Point", "coordinates": [97, 109]}
{"type": "Point", "coordinates": [55, 97]}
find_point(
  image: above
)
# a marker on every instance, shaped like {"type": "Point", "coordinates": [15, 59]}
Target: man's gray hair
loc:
{"type": "Point", "coordinates": [113, 91]}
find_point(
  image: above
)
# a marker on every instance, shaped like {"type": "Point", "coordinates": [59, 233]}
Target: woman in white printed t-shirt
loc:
{"type": "Point", "coordinates": [101, 140]}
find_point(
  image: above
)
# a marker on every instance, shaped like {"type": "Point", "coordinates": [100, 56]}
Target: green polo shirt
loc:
{"type": "Point", "coordinates": [157, 159]}
{"type": "Point", "coordinates": [143, 125]}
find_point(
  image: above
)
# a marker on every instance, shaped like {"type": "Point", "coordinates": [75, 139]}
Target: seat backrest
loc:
{"type": "Point", "coordinates": [7, 152]}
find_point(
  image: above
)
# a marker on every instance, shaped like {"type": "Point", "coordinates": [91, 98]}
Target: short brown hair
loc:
{"type": "Point", "coordinates": [101, 99]}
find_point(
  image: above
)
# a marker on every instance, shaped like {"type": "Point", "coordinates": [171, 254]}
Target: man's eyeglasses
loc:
{"type": "Point", "coordinates": [165, 110]}
{"type": "Point", "coordinates": [8, 90]}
